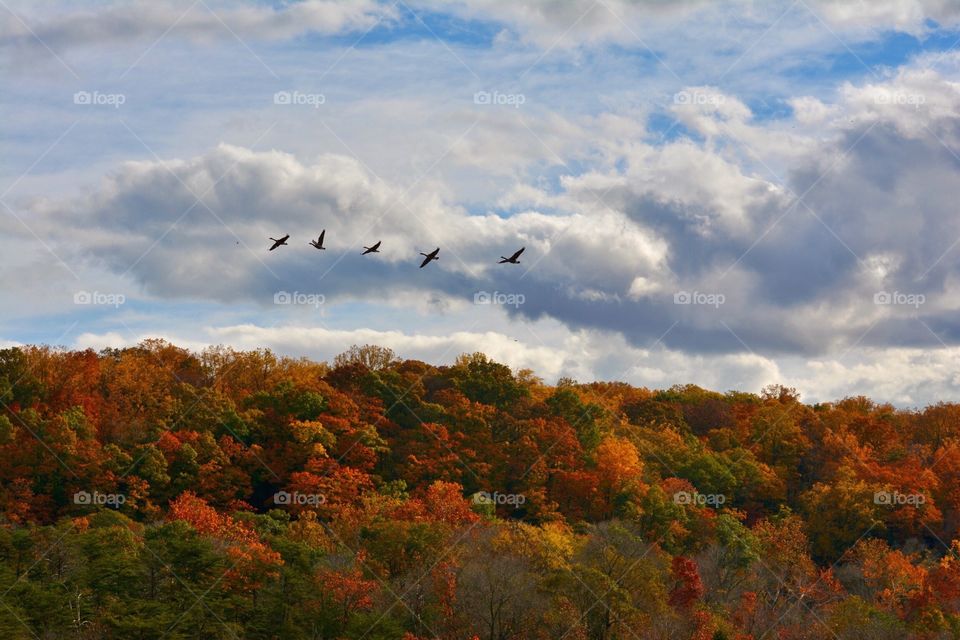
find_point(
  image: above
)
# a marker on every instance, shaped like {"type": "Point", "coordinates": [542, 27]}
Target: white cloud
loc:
{"type": "Point", "coordinates": [136, 221]}
{"type": "Point", "coordinates": [566, 23]}
{"type": "Point", "coordinates": [902, 15]}
{"type": "Point", "coordinates": [145, 21]}
{"type": "Point", "coordinates": [572, 23]}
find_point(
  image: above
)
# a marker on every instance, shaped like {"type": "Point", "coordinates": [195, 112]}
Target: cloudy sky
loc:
{"type": "Point", "coordinates": [726, 193]}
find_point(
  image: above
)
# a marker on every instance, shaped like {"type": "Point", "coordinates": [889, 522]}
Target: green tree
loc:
{"type": "Point", "coordinates": [483, 380]}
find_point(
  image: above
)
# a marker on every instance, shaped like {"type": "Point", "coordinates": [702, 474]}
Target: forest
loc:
{"type": "Point", "coordinates": [153, 492]}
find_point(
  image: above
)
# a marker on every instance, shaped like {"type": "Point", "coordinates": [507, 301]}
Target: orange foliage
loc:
{"type": "Point", "coordinates": [252, 560]}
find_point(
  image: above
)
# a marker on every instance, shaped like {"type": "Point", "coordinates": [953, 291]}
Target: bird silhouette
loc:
{"type": "Point", "coordinates": [430, 257]}
{"type": "Point", "coordinates": [318, 243]}
{"type": "Point", "coordinates": [512, 259]}
{"type": "Point", "coordinates": [374, 249]}
{"type": "Point", "coordinates": [279, 243]}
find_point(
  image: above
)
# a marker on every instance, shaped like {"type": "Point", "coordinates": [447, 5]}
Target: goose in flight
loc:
{"type": "Point", "coordinates": [430, 257]}
{"type": "Point", "coordinates": [512, 259]}
{"type": "Point", "coordinates": [279, 243]}
{"type": "Point", "coordinates": [374, 249]}
{"type": "Point", "coordinates": [318, 243]}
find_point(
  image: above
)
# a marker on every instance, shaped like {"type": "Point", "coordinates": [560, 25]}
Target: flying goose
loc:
{"type": "Point", "coordinates": [279, 243]}
{"type": "Point", "coordinates": [430, 257]}
{"type": "Point", "coordinates": [374, 249]}
{"type": "Point", "coordinates": [318, 243]}
{"type": "Point", "coordinates": [512, 259]}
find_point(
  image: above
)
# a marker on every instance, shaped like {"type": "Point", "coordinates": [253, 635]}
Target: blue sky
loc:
{"type": "Point", "coordinates": [726, 193]}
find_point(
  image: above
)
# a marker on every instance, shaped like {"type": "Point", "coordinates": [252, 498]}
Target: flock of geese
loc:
{"type": "Point", "coordinates": [428, 257]}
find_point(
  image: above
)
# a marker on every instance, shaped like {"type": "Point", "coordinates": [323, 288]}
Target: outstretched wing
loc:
{"type": "Point", "coordinates": [517, 254]}
{"type": "Point", "coordinates": [376, 246]}
{"type": "Point", "coordinates": [322, 234]}
{"type": "Point", "coordinates": [426, 261]}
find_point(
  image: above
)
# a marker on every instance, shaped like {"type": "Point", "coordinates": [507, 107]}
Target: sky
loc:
{"type": "Point", "coordinates": [730, 194]}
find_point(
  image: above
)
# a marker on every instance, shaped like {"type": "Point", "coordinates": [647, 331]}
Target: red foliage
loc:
{"type": "Point", "coordinates": [687, 585]}
{"type": "Point", "coordinates": [252, 560]}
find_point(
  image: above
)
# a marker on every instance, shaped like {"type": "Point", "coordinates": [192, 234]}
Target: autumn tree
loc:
{"type": "Point", "coordinates": [372, 357]}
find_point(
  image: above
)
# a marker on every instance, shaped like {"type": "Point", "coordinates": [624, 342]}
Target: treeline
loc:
{"type": "Point", "coordinates": [152, 492]}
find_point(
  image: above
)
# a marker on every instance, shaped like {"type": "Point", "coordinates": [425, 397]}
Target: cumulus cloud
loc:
{"type": "Point", "coordinates": [699, 233]}
{"type": "Point", "coordinates": [174, 243]}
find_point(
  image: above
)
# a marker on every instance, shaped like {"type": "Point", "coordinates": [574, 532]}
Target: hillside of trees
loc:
{"type": "Point", "coordinates": [152, 492]}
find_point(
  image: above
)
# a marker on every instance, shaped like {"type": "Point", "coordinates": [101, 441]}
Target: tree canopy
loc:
{"type": "Point", "coordinates": [152, 492]}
